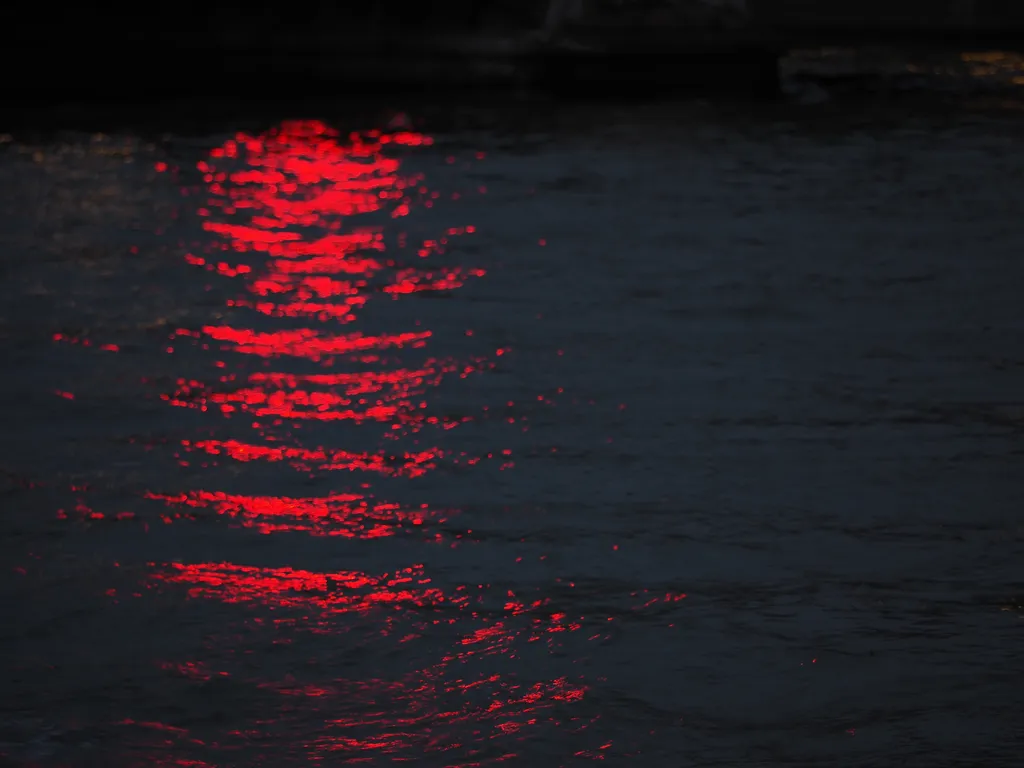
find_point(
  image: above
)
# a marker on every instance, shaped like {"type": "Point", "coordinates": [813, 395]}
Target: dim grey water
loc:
{"type": "Point", "coordinates": [661, 435]}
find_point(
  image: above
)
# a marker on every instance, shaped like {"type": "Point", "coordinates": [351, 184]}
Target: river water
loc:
{"type": "Point", "coordinates": [658, 435]}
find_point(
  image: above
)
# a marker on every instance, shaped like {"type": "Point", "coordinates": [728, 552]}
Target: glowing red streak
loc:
{"type": "Point", "coordinates": [342, 311]}
{"type": "Point", "coordinates": [333, 249]}
{"type": "Point", "coordinates": [408, 464]}
{"type": "Point", "coordinates": [305, 342]}
{"type": "Point", "coordinates": [251, 236]}
{"type": "Point", "coordinates": [326, 265]}
{"type": "Point", "coordinates": [341, 591]}
{"type": "Point", "coordinates": [356, 383]}
{"type": "Point", "coordinates": [343, 397]}
{"type": "Point", "coordinates": [322, 406]}
{"type": "Point", "coordinates": [346, 515]}
{"type": "Point", "coordinates": [414, 281]}
{"type": "Point", "coordinates": [390, 397]}
{"type": "Point", "coordinates": [300, 172]}
{"type": "Point", "coordinates": [304, 287]}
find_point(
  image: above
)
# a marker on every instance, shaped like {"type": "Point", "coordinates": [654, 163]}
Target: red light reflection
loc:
{"type": "Point", "coordinates": [287, 194]}
{"type": "Point", "coordinates": [281, 201]}
{"type": "Point", "coordinates": [414, 464]}
{"type": "Point", "coordinates": [307, 343]}
{"type": "Point", "coordinates": [339, 514]}
{"type": "Point", "coordinates": [418, 281]}
{"type": "Point", "coordinates": [341, 591]}
{"type": "Point", "coordinates": [393, 397]}
{"type": "Point", "coordinates": [278, 212]}
{"type": "Point", "coordinates": [416, 711]}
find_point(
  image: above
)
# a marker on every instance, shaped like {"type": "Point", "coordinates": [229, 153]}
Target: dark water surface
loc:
{"type": "Point", "coordinates": [665, 435]}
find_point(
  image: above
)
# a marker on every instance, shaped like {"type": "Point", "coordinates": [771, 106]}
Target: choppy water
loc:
{"type": "Point", "coordinates": [658, 436]}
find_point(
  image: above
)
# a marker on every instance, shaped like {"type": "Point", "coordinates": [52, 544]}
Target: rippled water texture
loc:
{"type": "Point", "coordinates": [655, 436]}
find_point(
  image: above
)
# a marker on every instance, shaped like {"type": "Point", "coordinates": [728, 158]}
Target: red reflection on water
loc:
{"type": "Point", "coordinates": [299, 176]}
{"type": "Point", "coordinates": [390, 396]}
{"type": "Point", "coordinates": [667, 597]}
{"type": "Point", "coordinates": [307, 404]}
{"type": "Point", "coordinates": [340, 591]}
{"type": "Point", "coordinates": [359, 721]}
{"type": "Point", "coordinates": [287, 193]}
{"type": "Point", "coordinates": [416, 281]}
{"type": "Point", "coordinates": [423, 712]}
{"type": "Point", "coordinates": [84, 341]}
{"type": "Point", "coordinates": [460, 696]}
{"type": "Point", "coordinates": [277, 214]}
{"type": "Point", "coordinates": [341, 311]}
{"type": "Point", "coordinates": [340, 514]}
{"type": "Point", "coordinates": [308, 343]}
{"type": "Point", "coordinates": [304, 287]}
{"type": "Point", "coordinates": [409, 464]}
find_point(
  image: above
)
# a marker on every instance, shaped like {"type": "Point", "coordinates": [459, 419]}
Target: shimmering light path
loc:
{"type": "Point", "coordinates": [658, 438]}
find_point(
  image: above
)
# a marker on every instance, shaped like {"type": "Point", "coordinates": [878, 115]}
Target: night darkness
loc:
{"type": "Point", "coordinates": [518, 383]}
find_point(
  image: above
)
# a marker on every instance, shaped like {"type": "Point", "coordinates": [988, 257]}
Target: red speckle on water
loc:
{"type": "Point", "coordinates": [278, 212]}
